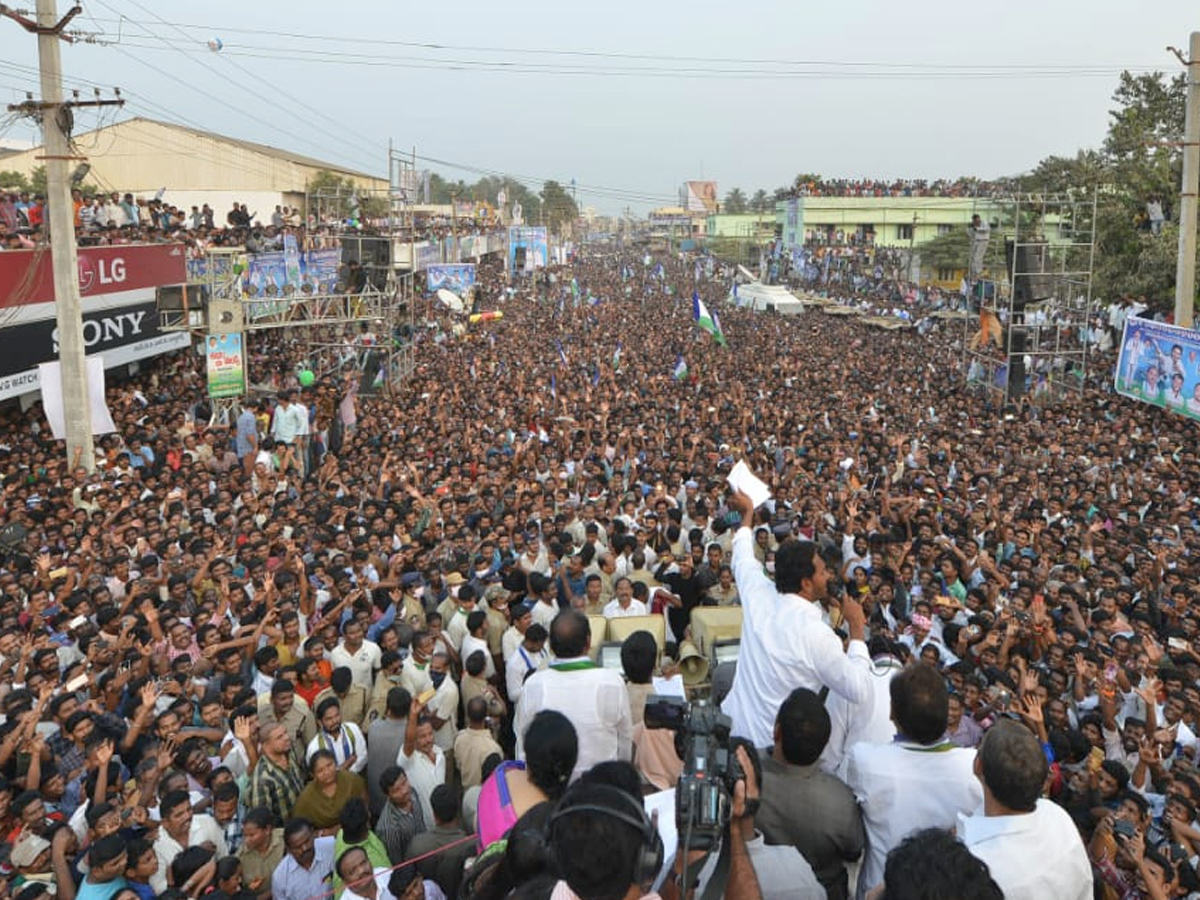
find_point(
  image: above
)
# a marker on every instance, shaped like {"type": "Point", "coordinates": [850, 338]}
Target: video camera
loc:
{"type": "Point", "coordinates": [704, 794]}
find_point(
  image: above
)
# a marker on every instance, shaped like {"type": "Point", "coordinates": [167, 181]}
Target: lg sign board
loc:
{"type": "Point", "coordinates": [102, 270]}
{"type": "Point", "coordinates": [99, 272]}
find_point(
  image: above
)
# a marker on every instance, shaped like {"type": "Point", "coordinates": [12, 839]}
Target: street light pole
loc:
{"type": "Point", "coordinates": [1185, 271]}
{"type": "Point", "coordinates": [68, 306]}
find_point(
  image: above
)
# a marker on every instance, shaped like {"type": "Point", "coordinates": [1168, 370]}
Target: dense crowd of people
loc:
{"type": "Point", "coordinates": [340, 645]}
{"type": "Point", "coordinates": [903, 187]}
{"type": "Point", "coordinates": [121, 218]}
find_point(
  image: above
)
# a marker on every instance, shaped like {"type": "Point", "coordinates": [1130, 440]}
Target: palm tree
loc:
{"type": "Point", "coordinates": [735, 202]}
{"type": "Point", "coordinates": [760, 202]}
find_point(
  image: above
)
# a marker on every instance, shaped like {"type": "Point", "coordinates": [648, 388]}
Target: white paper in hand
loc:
{"type": "Point", "coordinates": [669, 687]}
{"type": "Point", "coordinates": [742, 479]}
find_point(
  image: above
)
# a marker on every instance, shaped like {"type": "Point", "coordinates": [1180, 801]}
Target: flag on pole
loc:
{"type": "Point", "coordinates": [617, 356]}
{"type": "Point", "coordinates": [596, 376]}
{"type": "Point", "coordinates": [562, 354]}
{"type": "Point", "coordinates": [553, 386]}
{"type": "Point", "coordinates": [706, 320]}
{"type": "Point", "coordinates": [681, 370]}
{"type": "Point", "coordinates": [575, 288]}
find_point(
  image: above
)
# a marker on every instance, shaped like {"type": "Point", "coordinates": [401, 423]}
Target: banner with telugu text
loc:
{"type": "Point", "coordinates": [226, 365]}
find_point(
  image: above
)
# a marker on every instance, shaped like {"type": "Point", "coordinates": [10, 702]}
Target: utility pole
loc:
{"type": "Point", "coordinates": [1185, 272]}
{"type": "Point", "coordinates": [56, 118]}
{"type": "Point", "coordinates": [68, 306]}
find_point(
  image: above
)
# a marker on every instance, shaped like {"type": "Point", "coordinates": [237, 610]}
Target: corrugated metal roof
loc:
{"type": "Point", "coordinates": [265, 149]}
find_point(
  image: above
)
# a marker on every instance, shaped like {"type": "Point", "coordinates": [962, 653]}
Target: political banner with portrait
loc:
{"type": "Point", "coordinates": [528, 248]}
{"type": "Point", "coordinates": [216, 267]}
{"type": "Point", "coordinates": [226, 365]}
{"type": "Point", "coordinates": [700, 197]}
{"type": "Point", "coordinates": [458, 278]}
{"type": "Point", "coordinates": [290, 271]}
{"type": "Point", "coordinates": [1160, 365]}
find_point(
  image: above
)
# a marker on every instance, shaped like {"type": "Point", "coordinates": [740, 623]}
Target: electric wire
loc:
{"type": "Point", "coordinates": [267, 101]}
{"type": "Point", "coordinates": [359, 40]}
{"type": "Point", "coordinates": [796, 69]}
{"type": "Point", "coordinates": [307, 108]}
{"type": "Point", "coordinates": [705, 73]}
{"type": "Point", "coordinates": [598, 191]}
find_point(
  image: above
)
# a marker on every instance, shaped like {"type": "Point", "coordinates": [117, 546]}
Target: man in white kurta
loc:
{"type": "Point", "coordinates": [920, 780]}
{"type": "Point", "coordinates": [1015, 827]}
{"type": "Point", "coordinates": [594, 699]}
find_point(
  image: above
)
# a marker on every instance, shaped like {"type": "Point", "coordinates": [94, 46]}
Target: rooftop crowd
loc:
{"type": "Point", "coordinates": [339, 644]}
{"type": "Point", "coordinates": [121, 218]}
{"type": "Point", "coordinates": [903, 187]}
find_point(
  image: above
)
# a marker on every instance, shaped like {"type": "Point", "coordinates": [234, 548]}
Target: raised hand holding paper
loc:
{"type": "Point", "coordinates": [742, 479]}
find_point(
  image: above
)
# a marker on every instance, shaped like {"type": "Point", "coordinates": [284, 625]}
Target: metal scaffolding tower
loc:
{"type": "Point", "coordinates": [343, 326]}
{"type": "Point", "coordinates": [1032, 290]}
{"type": "Point", "coordinates": [402, 262]}
{"type": "Point", "coordinates": [369, 226]}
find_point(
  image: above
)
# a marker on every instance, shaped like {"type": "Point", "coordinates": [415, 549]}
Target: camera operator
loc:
{"type": "Point", "coordinates": [743, 879]}
{"type": "Point", "coordinates": [605, 846]}
{"type": "Point", "coordinates": [783, 872]}
{"type": "Point", "coordinates": [785, 645]}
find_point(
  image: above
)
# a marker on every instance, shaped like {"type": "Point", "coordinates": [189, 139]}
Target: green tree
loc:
{"type": "Point", "coordinates": [487, 189]}
{"type": "Point", "coordinates": [558, 206]}
{"type": "Point", "coordinates": [735, 202]}
{"type": "Point", "coordinates": [37, 180]}
{"type": "Point", "coordinates": [761, 202]}
{"type": "Point", "coordinates": [1142, 145]}
{"type": "Point", "coordinates": [1140, 159]}
{"type": "Point", "coordinates": [339, 197]}
{"type": "Point", "coordinates": [13, 181]}
{"type": "Point", "coordinates": [1088, 168]}
{"type": "Point", "coordinates": [325, 182]}
{"type": "Point", "coordinates": [946, 251]}
{"type": "Point", "coordinates": [440, 189]}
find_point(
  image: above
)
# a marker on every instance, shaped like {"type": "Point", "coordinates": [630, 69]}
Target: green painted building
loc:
{"type": "Point", "coordinates": [743, 226]}
{"type": "Point", "coordinates": [889, 221]}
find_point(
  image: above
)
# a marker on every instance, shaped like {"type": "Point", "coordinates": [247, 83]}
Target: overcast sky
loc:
{"type": "Point", "coordinates": [646, 95]}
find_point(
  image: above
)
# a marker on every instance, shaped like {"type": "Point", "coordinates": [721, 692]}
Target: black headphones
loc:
{"type": "Point", "coordinates": [650, 858]}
